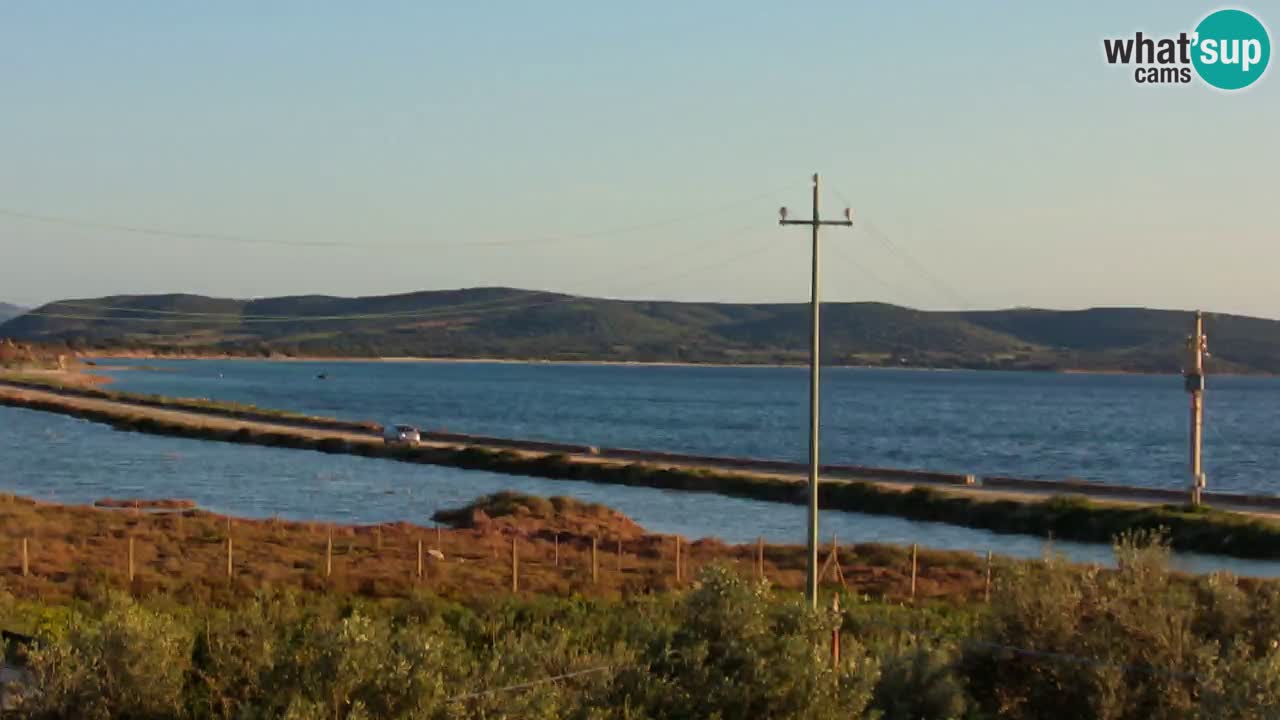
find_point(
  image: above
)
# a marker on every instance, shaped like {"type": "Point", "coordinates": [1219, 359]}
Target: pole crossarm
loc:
{"type": "Point", "coordinates": [811, 589]}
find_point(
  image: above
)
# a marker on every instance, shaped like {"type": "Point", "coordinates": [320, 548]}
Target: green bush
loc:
{"type": "Point", "coordinates": [130, 662]}
{"type": "Point", "coordinates": [920, 685]}
{"type": "Point", "coordinates": [1058, 642]}
{"type": "Point", "coordinates": [738, 653]}
{"type": "Point", "coordinates": [1137, 642]}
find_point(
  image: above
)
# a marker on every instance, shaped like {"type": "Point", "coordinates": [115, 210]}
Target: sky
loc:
{"type": "Point", "coordinates": [638, 150]}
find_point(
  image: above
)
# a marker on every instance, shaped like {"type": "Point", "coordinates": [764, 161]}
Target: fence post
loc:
{"type": "Point", "coordinates": [595, 565]}
{"type": "Point", "coordinates": [557, 541]}
{"type": "Point", "coordinates": [131, 559]}
{"type": "Point", "coordinates": [986, 592]}
{"type": "Point", "coordinates": [26, 565]}
{"type": "Point", "coordinates": [229, 569]}
{"type": "Point", "coordinates": [377, 534]}
{"type": "Point", "coordinates": [835, 632]}
{"type": "Point", "coordinates": [515, 565]}
{"type": "Point", "coordinates": [328, 554]}
{"type": "Point", "coordinates": [439, 545]}
{"type": "Point", "coordinates": [914, 550]}
{"type": "Point", "coordinates": [678, 574]}
{"type": "Point", "coordinates": [419, 558]}
{"type": "Point", "coordinates": [760, 558]}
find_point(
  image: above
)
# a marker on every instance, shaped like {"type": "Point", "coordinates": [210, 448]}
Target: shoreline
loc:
{"type": "Point", "coordinates": [619, 363]}
{"type": "Point", "coordinates": [1065, 511]}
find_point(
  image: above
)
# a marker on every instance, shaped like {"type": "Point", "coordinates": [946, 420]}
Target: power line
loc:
{"type": "Point", "coordinates": [751, 252]}
{"type": "Point", "coordinates": [1063, 657]}
{"type": "Point", "coordinates": [532, 683]}
{"type": "Point", "coordinates": [992, 647]}
{"type": "Point", "coordinates": [479, 308]}
{"type": "Point", "coordinates": [238, 317]}
{"type": "Point", "coordinates": [421, 312]}
{"type": "Point", "coordinates": [938, 282]}
{"type": "Point", "coordinates": [866, 271]}
{"type": "Point", "coordinates": [247, 240]}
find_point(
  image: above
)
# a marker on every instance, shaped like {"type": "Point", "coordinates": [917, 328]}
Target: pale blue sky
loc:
{"type": "Point", "coordinates": [989, 139]}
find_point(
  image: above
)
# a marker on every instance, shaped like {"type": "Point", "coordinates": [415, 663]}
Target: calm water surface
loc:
{"type": "Point", "coordinates": [63, 459]}
{"type": "Point", "coordinates": [1117, 428]}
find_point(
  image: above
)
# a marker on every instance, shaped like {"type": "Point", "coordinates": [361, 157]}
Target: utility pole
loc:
{"type": "Point", "coordinates": [1197, 349]}
{"type": "Point", "coordinates": [811, 589]}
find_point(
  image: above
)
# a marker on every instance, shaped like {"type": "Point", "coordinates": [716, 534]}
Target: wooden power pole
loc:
{"type": "Point", "coordinates": [811, 588]}
{"type": "Point", "coordinates": [1197, 349]}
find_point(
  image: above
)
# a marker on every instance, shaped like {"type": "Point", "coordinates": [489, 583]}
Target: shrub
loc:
{"type": "Point", "coordinates": [737, 653]}
{"type": "Point", "coordinates": [1135, 642]}
{"type": "Point", "coordinates": [919, 685]}
{"type": "Point", "coordinates": [130, 663]}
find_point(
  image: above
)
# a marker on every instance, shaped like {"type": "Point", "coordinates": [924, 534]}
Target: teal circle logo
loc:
{"type": "Point", "coordinates": [1232, 49]}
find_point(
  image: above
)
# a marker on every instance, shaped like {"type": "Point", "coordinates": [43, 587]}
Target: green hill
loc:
{"type": "Point", "coordinates": [509, 323]}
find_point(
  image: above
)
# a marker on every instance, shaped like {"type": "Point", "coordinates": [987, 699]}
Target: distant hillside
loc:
{"type": "Point", "coordinates": [9, 311]}
{"type": "Point", "coordinates": [507, 323]}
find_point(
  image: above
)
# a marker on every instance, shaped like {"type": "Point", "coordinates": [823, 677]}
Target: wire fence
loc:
{"type": "Point", "coordinates": [53, 548]}
{"type": "Point", "coordinates": [142, 550]}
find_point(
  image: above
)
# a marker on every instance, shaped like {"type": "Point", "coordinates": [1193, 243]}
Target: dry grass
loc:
{"type": "Point", "coordinates": [78, 551]}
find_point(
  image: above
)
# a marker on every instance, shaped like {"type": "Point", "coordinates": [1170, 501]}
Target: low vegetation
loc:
{"type": "Point", "coordinates": [73, 551]}
{"type": "Point", "coordinates": [15, 356]}
{"type": "Point", "coordinates": [1056, 642]}
{"type": "Point", "coordinates": [526, 514]}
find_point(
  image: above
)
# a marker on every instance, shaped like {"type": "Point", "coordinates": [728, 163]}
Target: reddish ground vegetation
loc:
{"type": "Point", "coordinates": [78, 551]}
{"type": "Point", "coordinates": [530, 516]}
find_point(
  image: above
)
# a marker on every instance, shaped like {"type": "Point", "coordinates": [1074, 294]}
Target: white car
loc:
{"type": "Point", "coordinates": [401, 435]}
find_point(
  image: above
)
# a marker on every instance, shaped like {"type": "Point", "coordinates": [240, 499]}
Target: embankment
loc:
{"type": "Point", "coordinates": [214, 408]}
{"type": "Point", "coordinates": [1070, 517]}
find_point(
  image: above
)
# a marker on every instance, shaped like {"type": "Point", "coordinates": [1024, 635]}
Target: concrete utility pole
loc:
{"type": "Point", "coordinates": [1197, 349]}
{"type": "Point", "coordinates": [811, 589]}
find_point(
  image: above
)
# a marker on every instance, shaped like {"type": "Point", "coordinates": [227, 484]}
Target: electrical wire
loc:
{"type": "Point", "coordinates": [943, 286]}
{"type": "Point", "coordinates": [864, 270]}
{"type": "Point", "coordinates": [85, 305]}
{"type": "Point", "coordinates": [532, 683]}
{"type": "Point", "coordinates": [247, 240]}
{"type": "Point", "coordinates": [752, 251]}
{"type": "Point", "coordinates": [484, 307]}
{"type": "Point", "coordinates": [1030, 653]}
{"type": "Point", "coordinates": [940, 284]}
